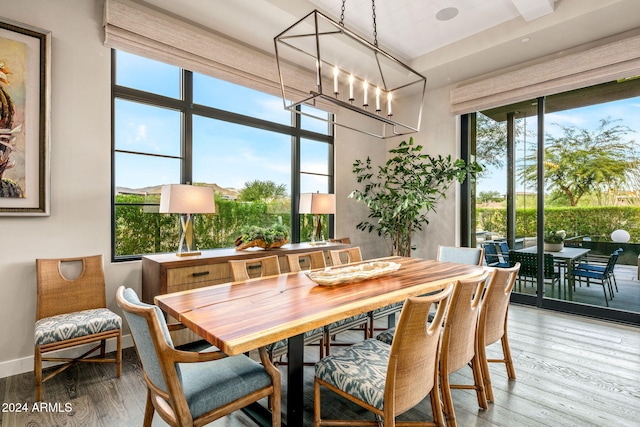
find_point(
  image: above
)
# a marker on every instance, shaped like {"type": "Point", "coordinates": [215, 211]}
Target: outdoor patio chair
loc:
{"type": "Point", "coordinates": [529, 269]}
{"type": "Point", "coordinates": [491, 256]}
{"type": "Point", "coordinates": [388, 380]}
{"type": "Point", "coordinates": [602, 277]}
{"type": "Point", "coordinates": [599, 263]}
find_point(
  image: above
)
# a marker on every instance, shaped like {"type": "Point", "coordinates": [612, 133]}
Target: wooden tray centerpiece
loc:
{"type": "Point", "coordinates": [352, 273]}
{"type": "Point", "coordinates": [263, 237]}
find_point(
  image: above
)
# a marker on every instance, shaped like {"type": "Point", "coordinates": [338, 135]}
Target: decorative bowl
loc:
{"type": "Point", "coordinates": [352, 273]}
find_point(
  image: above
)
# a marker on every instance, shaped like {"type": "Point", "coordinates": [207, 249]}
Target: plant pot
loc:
{"type": "Point", "coordinates": [553, 247]}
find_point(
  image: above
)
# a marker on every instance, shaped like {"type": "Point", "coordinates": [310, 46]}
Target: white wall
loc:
{"type": "Point", "coordinates": [81, 174]}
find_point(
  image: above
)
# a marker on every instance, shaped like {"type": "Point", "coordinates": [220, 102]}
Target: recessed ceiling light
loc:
{"type": "Point", "coordinates": [525, 39]}
{"type": "Point", "coordinates": [447, 13]}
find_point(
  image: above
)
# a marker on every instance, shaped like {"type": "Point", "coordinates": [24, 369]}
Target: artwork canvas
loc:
{"type": "Point", "coordinates": [24, 119]}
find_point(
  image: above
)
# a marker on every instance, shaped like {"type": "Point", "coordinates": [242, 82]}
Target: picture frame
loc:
{"type": "Point", "coordinates": [25, 113]}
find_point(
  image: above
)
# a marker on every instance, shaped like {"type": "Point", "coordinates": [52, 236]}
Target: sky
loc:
{"type": "Point", "coordinates": [226, 154]}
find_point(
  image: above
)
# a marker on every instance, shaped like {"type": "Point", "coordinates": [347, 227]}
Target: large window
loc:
{"type": "Point", "coordinates": [174, 126]}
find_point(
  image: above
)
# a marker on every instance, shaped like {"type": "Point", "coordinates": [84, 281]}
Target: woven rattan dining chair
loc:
{"type": "Point", "coordinates": [269, 266]}
{"type": "Point", "coordinates": [361, 321]}
{"type": "Point", "coordinates": [345, 256]}
{"type": "Point", "coordinates": [388, 380]}
{"type": "Point", "coordinates": [313, 260]}
{"type": "Point", "coordinates": [71, 312]}
{"type": "Point", "coordinates": [194, 388]}
{"type": "Point", "coordinates": [462, 255]}
{"type": "Point", "coordinates": [459, 346]}
{"type": "Point", "coordinates": [492, 324]}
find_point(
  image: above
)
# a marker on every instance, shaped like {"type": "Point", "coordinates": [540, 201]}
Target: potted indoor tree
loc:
{"type": "Point", "coordinates": [404, 191]}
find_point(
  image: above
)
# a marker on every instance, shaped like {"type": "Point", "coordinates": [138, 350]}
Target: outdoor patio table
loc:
{"type": "Point", "coordinates": [568, 256]}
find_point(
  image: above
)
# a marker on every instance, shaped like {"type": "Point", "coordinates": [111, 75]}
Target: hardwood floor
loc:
{"type": "Point", "coordinates": [572, 371]}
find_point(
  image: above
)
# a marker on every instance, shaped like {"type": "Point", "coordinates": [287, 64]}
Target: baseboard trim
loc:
{"type": "Point", "coordinates": [25, 364]}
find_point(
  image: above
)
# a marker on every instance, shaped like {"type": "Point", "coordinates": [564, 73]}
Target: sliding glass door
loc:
{"type": "Point", "coordinates": [565, 165]}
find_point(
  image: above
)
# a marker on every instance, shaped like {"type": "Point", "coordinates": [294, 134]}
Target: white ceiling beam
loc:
{"type": "Point", "coordinates": [533, 9]}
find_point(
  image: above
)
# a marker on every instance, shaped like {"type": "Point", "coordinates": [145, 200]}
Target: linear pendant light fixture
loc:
{"type": "Point", "coordinates": [340, 67]}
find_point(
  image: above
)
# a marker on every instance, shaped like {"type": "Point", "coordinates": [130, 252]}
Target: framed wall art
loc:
{"type": "Point", "coordinates": [25, 80]}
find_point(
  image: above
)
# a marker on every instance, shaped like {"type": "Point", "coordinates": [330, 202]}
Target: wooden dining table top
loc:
{"type": "Point", "coordinates": [242, 316]}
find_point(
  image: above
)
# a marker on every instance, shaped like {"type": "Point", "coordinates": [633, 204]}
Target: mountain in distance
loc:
{"type": "Point", "coordinates": [227, 193]}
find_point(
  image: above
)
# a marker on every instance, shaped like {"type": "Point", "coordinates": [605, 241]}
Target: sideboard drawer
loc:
{"type": "Point", "coordinates": [214, 273]}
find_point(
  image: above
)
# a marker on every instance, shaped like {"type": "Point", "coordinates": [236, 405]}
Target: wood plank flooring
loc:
{"type": "Point", "coordinates": [572, 371]}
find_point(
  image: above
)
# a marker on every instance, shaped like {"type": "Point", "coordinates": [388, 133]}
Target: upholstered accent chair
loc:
{"type": "Point", "coordinates": [71, 311]}
{"type": "Point", "coordinates": [194, 388]}
{"type": "Point", "coordinates": [462, 255]}
{"type": "Point", "coordinates": [492, 325]}
{"type": "Point", "coordinates": [269, 266]}
{"type": "Point", "coordinates": [388, 380]}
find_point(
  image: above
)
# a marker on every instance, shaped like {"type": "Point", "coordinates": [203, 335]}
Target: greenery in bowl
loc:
{"type": "Point", "coordinates": [555, 236]}
{"type": "Point", "coordinates": [265, 237]}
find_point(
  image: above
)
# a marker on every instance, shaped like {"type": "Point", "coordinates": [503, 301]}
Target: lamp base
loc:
{"type": "Point", "coordinates": [318, 243]}
{"type": "Point", "coordinates": [195, 253]}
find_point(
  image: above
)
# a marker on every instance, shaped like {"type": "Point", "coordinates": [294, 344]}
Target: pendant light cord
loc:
{"type": "Point", "coordinates": [373, 9]}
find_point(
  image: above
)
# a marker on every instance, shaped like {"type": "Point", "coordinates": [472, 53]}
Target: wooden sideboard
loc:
{"type": "Point", "coordinates": [168, 273]}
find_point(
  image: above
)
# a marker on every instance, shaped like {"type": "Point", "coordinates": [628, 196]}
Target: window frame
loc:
{"type": "Point", "coordinates": [187, 109]}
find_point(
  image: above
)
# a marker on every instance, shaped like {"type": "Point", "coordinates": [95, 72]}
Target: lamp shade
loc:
{"type": "Point", "coordinates": [316, 203]}
{"type": "Point", "coordinates": [186, 199]}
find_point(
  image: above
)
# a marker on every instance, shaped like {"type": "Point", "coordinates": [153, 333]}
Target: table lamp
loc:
{"type": "Point", "coordinates": [186, 200]}
{"type": "Point", "coordinates": [317, 204]}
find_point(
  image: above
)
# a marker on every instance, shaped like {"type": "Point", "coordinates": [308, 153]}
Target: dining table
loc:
{"type": "Point", "coordinates": [567, 258]}
{"type": "Point", "coordinates": [238, 317]}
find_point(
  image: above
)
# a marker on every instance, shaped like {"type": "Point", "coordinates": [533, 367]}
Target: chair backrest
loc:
{"type": "Point", "coordinates": [345, 256]}
{"type": "Point", "coordinates": [151, 337]}
{"type": "Point", "coordinates": [415, 350]}
{"type": "Point", "coordinates": [341, 240]}
{"type": "Point", "coordinates": [490, 253]}
{"type": "Point", "coordinates": [458, 339]}
{"type": "Point", "coordinates": [269, 266]}
{"type": "Point", "coordinates": [315, 260]}
{"type": "Point", "coordinates": [504, 247]}
{"type": "Point", "coordinates": [495, 303]}
{"type": "Point", "coordinates": [58, 294]}
{"type": "Point", "coordinates": [529, 264]}
{"type": "Point", "coordinates": [611, 263]}
{"type": "Point", "coordinates": [461, 255]}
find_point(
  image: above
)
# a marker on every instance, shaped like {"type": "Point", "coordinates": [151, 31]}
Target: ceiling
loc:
{"type": "Point", "coordinates": [484, 36]}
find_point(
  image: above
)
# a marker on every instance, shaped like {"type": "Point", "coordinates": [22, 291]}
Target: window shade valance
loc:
{"type": "Point", "coordinates": [140, 30]}
{"type": "Point", "coordinates": [593, 66]}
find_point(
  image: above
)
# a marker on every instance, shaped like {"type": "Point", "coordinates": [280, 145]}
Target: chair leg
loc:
{"type": "Point", "coordinates": [447, 401]}
{"type": "Point", "coordinates": [436, 406]}
{"type": "Point", "coordinates": [37, 370]}
{"type": "Point", "coordinates": [486, 376]}
{"type": "Point", "coordinates": [479, 384]}
{"type": "Point", "coordinates": [119, 354]}
{"type": "Point", "coordinates": [316, 403]}
{"type": "Point", "coordinates": [148, 411]}
{"type": "Point", "coordinates": [508, 361]}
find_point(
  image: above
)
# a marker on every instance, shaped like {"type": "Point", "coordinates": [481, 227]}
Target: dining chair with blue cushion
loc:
{"type": "Point", "coordinates": [388, 380]}
{"type": "Point", "coordinates": [71, 310]}
{"type": "Point", "coordinates": [462, 255]}
{"type": "Point", "coordinates": [189, 388]}
{"type": "Point", "coordinates": [599, 263]}
{"type": "Point", "coordinates": [602, 277]}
